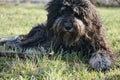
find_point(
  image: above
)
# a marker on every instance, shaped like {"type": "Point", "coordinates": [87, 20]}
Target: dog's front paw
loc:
{"type": "Point", "coordinates": [100, 62]}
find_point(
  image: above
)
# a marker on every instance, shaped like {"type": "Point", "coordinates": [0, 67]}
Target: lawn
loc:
{"type": "Point", "coordinates": [15, 20]}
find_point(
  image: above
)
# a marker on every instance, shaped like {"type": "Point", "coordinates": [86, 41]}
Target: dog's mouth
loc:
{"type": "Point", "coordinates": [68, 29]}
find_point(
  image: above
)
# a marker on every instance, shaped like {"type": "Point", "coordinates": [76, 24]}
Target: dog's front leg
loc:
{"type": "Point", "coordinates": [100, 61]}
{"type": "Point", "coordinates": [11, 41]}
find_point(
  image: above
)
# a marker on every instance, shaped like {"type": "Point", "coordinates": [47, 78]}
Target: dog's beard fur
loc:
{"type": "Point", "coordinates": [72, 35]}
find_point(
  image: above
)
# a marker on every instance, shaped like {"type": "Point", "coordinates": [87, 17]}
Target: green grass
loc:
{"type": "Point", "coordinates": [15, 20]}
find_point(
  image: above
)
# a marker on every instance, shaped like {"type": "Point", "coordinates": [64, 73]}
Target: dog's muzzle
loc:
{"type": "Point", "coordinates": [69, 24]}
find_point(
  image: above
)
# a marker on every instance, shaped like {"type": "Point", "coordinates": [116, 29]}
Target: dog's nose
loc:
{"type": "Point", "coordinates": [68, 28]}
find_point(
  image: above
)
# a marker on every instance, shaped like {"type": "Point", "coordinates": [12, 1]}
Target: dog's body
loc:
{"type": "Point", "coordinates": [72, 25]}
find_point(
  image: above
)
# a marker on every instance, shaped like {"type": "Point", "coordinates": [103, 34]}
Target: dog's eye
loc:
{"type": "Point", "coordinates": [76, 10]}
{"type": "Point", "coordinates": [62, 10]}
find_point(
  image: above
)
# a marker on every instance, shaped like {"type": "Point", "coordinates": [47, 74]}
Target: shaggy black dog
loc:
{"type": "Point", "coordinates": [72, 25]}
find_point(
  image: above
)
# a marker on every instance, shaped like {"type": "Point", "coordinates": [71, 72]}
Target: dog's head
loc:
{"type": "Point", "coordinates": [69, 28]}
{"type": "Point", "coordinates": [71, 19]}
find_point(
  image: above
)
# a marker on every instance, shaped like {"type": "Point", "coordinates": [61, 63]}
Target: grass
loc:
{"type": "Point", "coordinates": [15, 20]}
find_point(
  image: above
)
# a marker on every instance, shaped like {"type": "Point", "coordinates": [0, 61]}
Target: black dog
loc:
{"type": "Point", "coordinates": [72, 25]}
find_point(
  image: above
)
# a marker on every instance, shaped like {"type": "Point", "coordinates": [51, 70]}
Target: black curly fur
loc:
{"type": "Point", "coordinates": [73, 25]}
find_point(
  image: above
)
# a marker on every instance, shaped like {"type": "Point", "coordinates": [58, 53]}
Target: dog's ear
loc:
{"type": "Point", "coordinates": [88, 14]}
{"type": "Point", "coordinates": [53, 8]}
